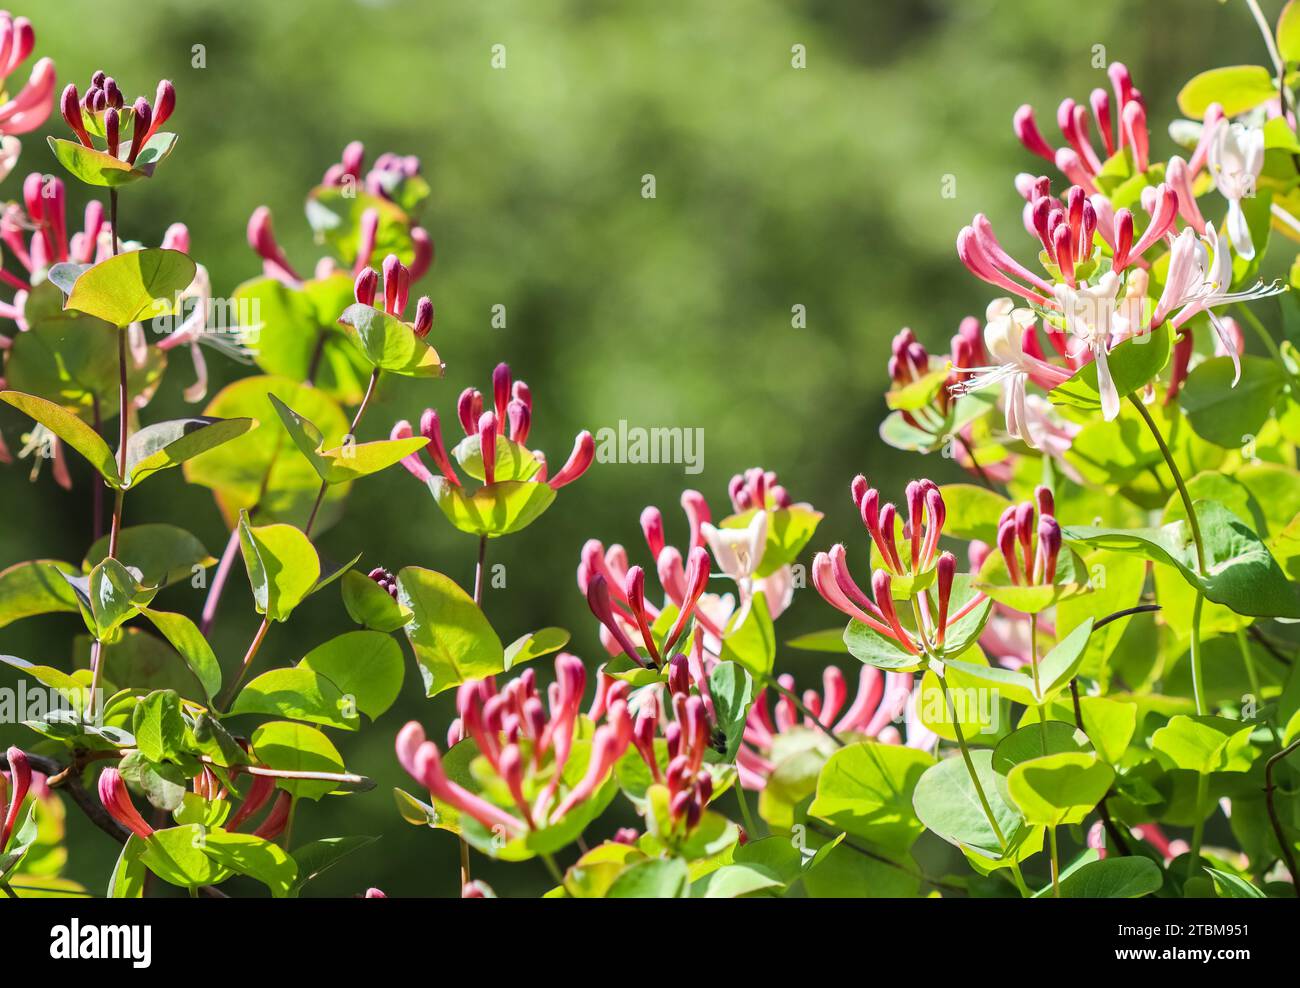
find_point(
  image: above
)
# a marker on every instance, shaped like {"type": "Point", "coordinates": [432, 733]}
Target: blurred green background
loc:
{"type": "Point", "coordinates": [776, 187]}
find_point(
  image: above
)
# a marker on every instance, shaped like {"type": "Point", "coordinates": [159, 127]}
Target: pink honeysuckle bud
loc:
{"type": "Point", "coordinates": [20, 771]}
{"type": "Point", "coordinates": [634, 591]}
{"type": "Point", "coordinates": [1049, 546]}
{"type": "Point", "coordinates": [164, 104]}
{"type": "Point", "coordinates": [697, 578]}
{"type": "Point", "coordinates": [887, 542]}
{"type": "Point", "coordinates": [511, 768]}
{"type": "Point", "coordinates": [1025, 533]}
{"type": "Point", "coordinates": [1007, 546]}
{"type": "Point", "coordinates": [431, 429]}
{"type": "Point", "coordinates": [1179, 175]}
{"type": "Point", "coordinates": [261, 237]}
{"type": "Point", "coordinates": [858, 490]}
{"type": "Point", "coordinates": [392, 277]}
{"type": "Point", "coordinates": [111, 135]}
{"type": "Point", "coordinates": [413, 464]}
{"type": "Point", "coordinates": [277, 820]}
{"type": "Point", "coordinates": [1134, 117]}
{"type": "Point", "coordinates": [177, 237]}
{"type": "Point", "coordinates": [409, 739]}
{"type": "Point", "coordinates": [1123, 239]}
{"type": "Point", "coordinates": [366, 285]}
{"type": "Point", "coordinates": [368, 231]}
{"type": "Point", "coordinates": [1026, 130]}
{"type": "Point", "coordinates": [521, 420]}
{"type": "Point", "coordinates": [835, 691]}
{"type": "Point", "coordinates": [603, 608]}
{"type": "Point", "coordinates": [697, 516]}
{"type": "Point", "coordinates": [100, 103]}
{"type": "Point", "coordinates": [1044, 500]}
{"type": "Point", "coordinates": [259, 791]}
{"type": "Point", "coordinates": [423, 317]}
{"type": "Point", "coordinates": [501, 388]}
{"type": "Point", "coordinates": [736, 491]}
{"type": "Point", "coordinates": [469, 406]}
{"type": "Point", "coordinates": [142, 116]}
{"type": "Point", "coordinates": [1099, 99]}
{"type": "Point", "coordinates": [521, 392]}
{"type": "Point", "coordinates": [838, 557]}
{"type": "Point", "coordinates": [607, 746]}
{"type": "Point", "coordinates": [652, 526]}
{"type": "Point", "coordinates": [70, 107]}
{"type": "Point", "coordinates": [1061, 250]}
{"type": "Point", "coordinates": [353, 158]}
{"type": "Point", "coordinates": [584, 452]}
{"type": "Point", "coordinates": [114, 94]}
{"type": "Point", "coordinates": [1163, 217]}
{"type": "Point", "coordinates": [756, 481]}
{"type": "Point", "coordinates": [672, 574]}
{"type": "Point", "coordinates": [487, 440]}
{"type": "Point", "coordinates": [374, 893]}
{"type": "Point", "coordinates": [882, 590]}
{"type": "Point", "coordinates": [780, 496]}
{"type": "Point", "coordinates": [945, 570]}
{"type": "Point", "coordinates": [679, 675]}
{"type": "Point", "coordinates": [915, 495]}
{"type": "Point", "coordinates": [385, 580]}
{"type": "Point", "coordinates": [423, 256]}
{"type": "Point", "coordinates": [117, 801]}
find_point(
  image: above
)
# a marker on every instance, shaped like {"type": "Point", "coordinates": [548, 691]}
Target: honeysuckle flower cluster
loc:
{"type": "Point", "coordinates": [526, 743]}
{"type": "Point", "coordinates": [1095, 292]}
{"type": "Point", "coordinates": [688, 737]}
{"type": "Point", "coordinates": [509, 417]}
{"type": "Point", "coordinates": [25, 110]}
{"type": "Point", "coordinates": [105, 105]}
{"type": "Point", "coordinates": [1030, 550]}
{"type": "Point", "coordinates": [388, 172]}
{"type": "Point", "coordinates": [35, 234]}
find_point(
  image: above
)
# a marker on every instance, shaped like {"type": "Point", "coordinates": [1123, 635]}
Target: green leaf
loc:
{"type": "Point", "coordinates": [260, 467]}
{"type": "Point", "coordinates": [656, 878]}
{"type": "Point", "coordinates": [869, 646]}
{"type": "Point", "coordinates": [1057, 667]}
{"type": "Point", "coordinates": [751, 639]}
{"type": "Point", "coordinates": [866, 790]}
{"type": "Point", "coordinates": [1288, 32]}
{"type": "Point", "coordinates": [995, 581]}
{"type": "Point", "coordinates": [1113, 878]}
{"type": "Point", "coordinates": [282, 566]}
{"type": "Point", "coordinates": [735, 881]}
{"type": "Point", "coordinates": [164, 554]}
{"type": "Point", "coordinates": [1060, 788]}
{"type": "Point", "coordinates": [169, 444]}
{"type": "Point", "coordinates": [114, 596]}
{"type": "Point", "coordinates": [302, 332]}
{"type": "Point", "coordinates": [947, 803]}
{"type": "Point", "coordinates": [247, 854]}
{"type": "Point", "coordinates": [74, 432]}
{"type": "Point", "coordinates": [732, 690]}
{"type": "Point", "coordinates": [390, 344]}
{"type": "Point", "coordinates": [1035, 740]}
{"type": "Point", "coordinates": [495, 509]}
{"type": "Point", "coordinates": [164, 785]}
{"type": "Point", "coordinates": [127, 880]}
{"type": "Point", "coordinates": [316, 857]}
{"type": "Point", "coordinates": [452, 639]}
{"type": "Point", "coordinates": [99, 168]}
{"type": "Point", "coordinates": [534, 645]}
{"type": "Point", "coordinates": [827, 640]}
{"type": "Point", "coordinates": [1132, 364]}
{"type": "Point", "coordinates": [366, 666]}
{"type": "Point", "coordinates": [294, 747]}
{"type": "Point", "coordinates": [35, 587]}
{"type": "Point", "coordinates": [1238, 87]}
{"type": "Point", "coordinates": [133, 286]}
{"type": "Point", "coordinates": [369, 604]}
{"type": "Point", "coordinates": [513, 462]}
{"type": "Point", "coordinates": [349, 461]}
{"type": "Point", "coordinates": [143, 662]}
{"type": "Point", "coordinates": [973, 512]}
{"type": "Point", "coordinates": [1230, 886]}
{"type": "Point", "coordinates": [1204, 744]}
{"type": "Point", "coordinates": [1240, 572]}
{"type": "Point", "coordinates": [187, 640]}
{"type": "Point", "coordinates": [1231, 416]}
{"type": "Point", "coordinates": [159, 726]}
{"type": "Point", "coordinates": [176, 856]}
{"type": "Point", "coordinates": [297, 694]}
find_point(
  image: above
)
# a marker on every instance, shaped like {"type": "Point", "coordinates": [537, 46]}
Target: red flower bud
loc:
{"type": "Point", "coordinates": [273, 826]}
{"type": "Point", "coordinates": [366, 285]}
{"type": "Point", "coordinates": [584, 451]}
{"type": "Point", "coordinates": [70, 107]}
{"type": "Point", "coordinates": [111, 135]}
{"type": "Point", "coordinates": [423, 317]}
{"type": "Point", "coordinates": [469, 406]}
{"type": "Point", "coordinates": [501, 388]}
{"type": "Point", "coordinates": [487, 442]}
{"type": "Point", "coordinates": [20, 770]}
{"type": "Point", "coordinates": [652, 526]}
{"type": "Point", "coordinates": [946, 569]}
{"type": "Point", "coordinates": [117, 801]}
{"type": "Point", "coordinates": [142, 117]}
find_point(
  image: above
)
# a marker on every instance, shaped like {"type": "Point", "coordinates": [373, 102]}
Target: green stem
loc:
{"type": "Point", "coordinates": [1033, 665]}
{"type": "Point", "coordinates": [1269, 788]}
{"type": "Point", "coordinates": [1197, 684]}
{"type": "Point", "coordinates": [1056, 863]}
{"type": "Point", "coordinates": [553, 868]}
{"type": "Point", "coordinates": [975, 781]}
{"type": "Point", "coordinates": [751, 826]}
{"type": "Point", "coordinates": [1198, 831]}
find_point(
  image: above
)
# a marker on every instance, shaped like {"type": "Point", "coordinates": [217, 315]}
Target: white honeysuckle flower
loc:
{"type": "Point", "coordinates": [1199, 279]}
{"type": "Point", "coordinates": [1090, 312]}
{"type": "Point", "coordinates": [738, 551]}
{"type": "Point", "coordinates": [1004, 332]}
{"type": "Point", "coordinates": [1236, 157]}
